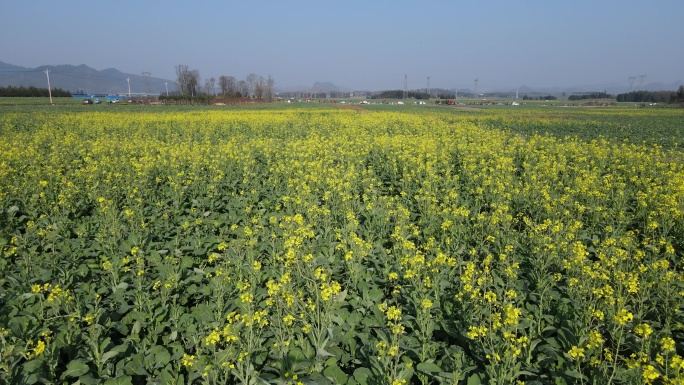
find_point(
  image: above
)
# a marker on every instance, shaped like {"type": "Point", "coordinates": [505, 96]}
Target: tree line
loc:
{"type": "Point", "coordinates": [547, 97]}
{"type": "Point", "coordinates": [652, 96]}
{"type": "Point", "coordinates": [679, 96]}
{"type": "Point", "coordinates": [253, 86]}
{"type": "Point", "coordinates": [592, 95]}
{"type": "Point", "coordinates": [36, 92]}
{"type": "Point", "coordinates": [399, 94]}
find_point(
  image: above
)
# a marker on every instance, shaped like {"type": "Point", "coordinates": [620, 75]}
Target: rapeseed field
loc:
{"type": "Point", "coordinates": [324, 246]}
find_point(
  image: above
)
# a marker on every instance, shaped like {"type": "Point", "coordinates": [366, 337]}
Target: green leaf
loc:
{"type": "Point", "coordinates": [574, 374]}
{"type": "Point", "coordinates": [136, 365]}
{"type": "Point", "coordinates": [335, 374]}
{"type": "Point", "coordinates": [76, 368]}
{"type": "Point", "coordinates": [322, 353]}
{"type": "Point", "coordinates": [186, 262]}
{"type": "Point", "coordinates": [108, 355]}
{"type": "Point", "coordinates": [136, 328]}
{"type": "Point", "coordinates": [475, 379]}
{"type": "Point", "coordinates": [32, 366]}
{"type": "Point", "coordinates": [113, 353]}
{"type": "Point", "coordinates": [406, 373]}
{"type": "Point", "coordinates": [122, 286]}
{"type": "Point", "coordinates": [428, 367]}
{"type": "Point", "coordinates": [375, 295]}
{"type": "Point", "coordinates": [88, 380]}
{"type": "Point", "coordinates": [31, 371]}
{"type": "Point", "coordinates": [104, 344]}
{"type": "Point", "coordinates": [125, 380]}
{"type": "Point", "coordinates": [156, 349]}
{"type": "Point", "coordinates": [361, 375]}
{"type": "Point", "coordinates": [162, 358]}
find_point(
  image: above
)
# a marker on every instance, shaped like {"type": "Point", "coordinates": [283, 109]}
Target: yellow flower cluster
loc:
{"type": "Point", "coordinates": [394, 317]}
{"type": "Point", "coordinates": [36, 350]}
{"type": "Point", "coordinates": [57, 294]}
{"type": "Point", "coordinates": [329, 289]}
{"type": "Point", "coordinates": [188, 360]}
{"type": "Point", "coordinates": [623, 316]}
{"type": "Point", "coordinates": [477, 331]}
{"type": "Point", "coordinates": [576, 353]}
{"type": "Point", "coordinates": [643, 330]}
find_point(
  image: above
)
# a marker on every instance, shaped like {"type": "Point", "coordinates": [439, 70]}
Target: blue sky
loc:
{"type": "Point", "coordinates": [357, 44]}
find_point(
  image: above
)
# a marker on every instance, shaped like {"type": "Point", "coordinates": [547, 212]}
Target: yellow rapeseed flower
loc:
{"type": "Point", "coordinates": [393, 313]}
{"type": "Point", "coordinates": [643, 330]}
{"type": "Point", "coordinates": [576, 352]}
{"type": "Point", "coordinates": [650, 374]}
{"type": "Point", "coordinates": [623, 317]}
{"type": "Point", "coordinates": [667, 344]}
{"type": "Point", "coordinates": [188, 360]}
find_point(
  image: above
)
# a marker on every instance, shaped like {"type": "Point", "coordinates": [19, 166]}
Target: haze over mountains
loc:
{"type": "Point", "coordinates": [83, 78]}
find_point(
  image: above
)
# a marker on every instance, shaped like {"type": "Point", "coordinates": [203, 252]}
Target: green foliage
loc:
{"type": "Point", "coordinates": [547, 97]}
{"type": "Point", "coordinates": [21, 91]}
{"type": "Point", "coordinates": [399, 94]}
{"type": "Point", "coordinates": [679, 96]}
{"type": "Point", "coordinates": [592, 95]}
{"type": "Point", "coordinates": [646, 97]}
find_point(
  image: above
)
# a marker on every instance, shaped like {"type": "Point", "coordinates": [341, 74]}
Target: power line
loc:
{"type": "Point", "coordinates": [631, 82]}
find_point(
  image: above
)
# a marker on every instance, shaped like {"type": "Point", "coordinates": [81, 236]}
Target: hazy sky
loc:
{"type": "Point", "coordinates": [367, 44]}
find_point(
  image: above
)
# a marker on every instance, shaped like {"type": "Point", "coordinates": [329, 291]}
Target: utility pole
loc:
{"type": "Point", "coordinates": [129, 88]}
{"type": "Point", "coordinates": [47, 73]}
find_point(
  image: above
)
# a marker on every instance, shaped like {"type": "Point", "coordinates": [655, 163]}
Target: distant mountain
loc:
{"type": "Point", "coordinates": [81, 78]}
{"type": "Point", "coordinates": [9, 66]}
{"type": "Point", "coordinates": [318, 87]}
{"type": "Point", "coordinates": [611, 88]}
{"type": "Point", "coordinates": [325, 86]}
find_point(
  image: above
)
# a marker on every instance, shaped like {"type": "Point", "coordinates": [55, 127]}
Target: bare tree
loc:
{"type": "Point", "coordinates": [231, 85]}
{"type": "Point", "coordinates": [251, 81]}
{"type": "Point", "coordinates": [259, 88]}
{"type": "Point", "coordinates": [182, 72]}
{"type": "Point", "coordinates": [270, 83]}
{"type": "Point", "coordinates": [188, 80]}
{"type": "Point", "coordinates": [193, 82]}
{"type": "Point", "coordinates": [209, 86]}
{"type": "Point", "coordinates": [243, 88]}
{"type": "Point", "coordinates": [223, 84]}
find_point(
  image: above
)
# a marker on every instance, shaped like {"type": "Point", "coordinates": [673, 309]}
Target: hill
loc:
{"type": "Point", "coordinates": [81, 78]}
